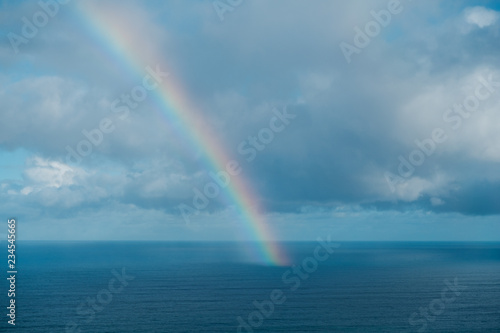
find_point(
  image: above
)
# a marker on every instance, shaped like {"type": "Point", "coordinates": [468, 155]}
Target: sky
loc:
{"type": "Point", "coordinates": [363, 120]}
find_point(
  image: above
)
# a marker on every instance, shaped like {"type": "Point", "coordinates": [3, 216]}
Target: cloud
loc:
{"type": "Point", "coordinates": [43, 173]}
{"type": "Point", "coordinates": [436, 201]}
{"type": "Point", "coordinates": [481, 16]}
{"type": "Point", "coordinates": [353, 120]}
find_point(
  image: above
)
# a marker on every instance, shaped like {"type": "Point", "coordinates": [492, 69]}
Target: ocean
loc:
{"type": "Point", "coordinates": [206, 287]}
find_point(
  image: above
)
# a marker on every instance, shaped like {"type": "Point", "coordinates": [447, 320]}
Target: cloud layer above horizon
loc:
{"type": "Point", "coordinates": [394, 130]}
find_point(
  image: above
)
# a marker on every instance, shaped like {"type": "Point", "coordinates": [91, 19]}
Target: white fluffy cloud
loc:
{"type": "Point", "coordinates": [42, 173]}
{"type": "Point", "coordinates": [481, 16]}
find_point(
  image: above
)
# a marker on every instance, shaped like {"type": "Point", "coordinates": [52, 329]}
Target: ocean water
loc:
{"type": "Point", "coordinates": [205, 287]}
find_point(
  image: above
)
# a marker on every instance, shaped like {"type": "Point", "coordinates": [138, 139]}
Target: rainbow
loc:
{"type": "Point", "coordinates": [120, 42]}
